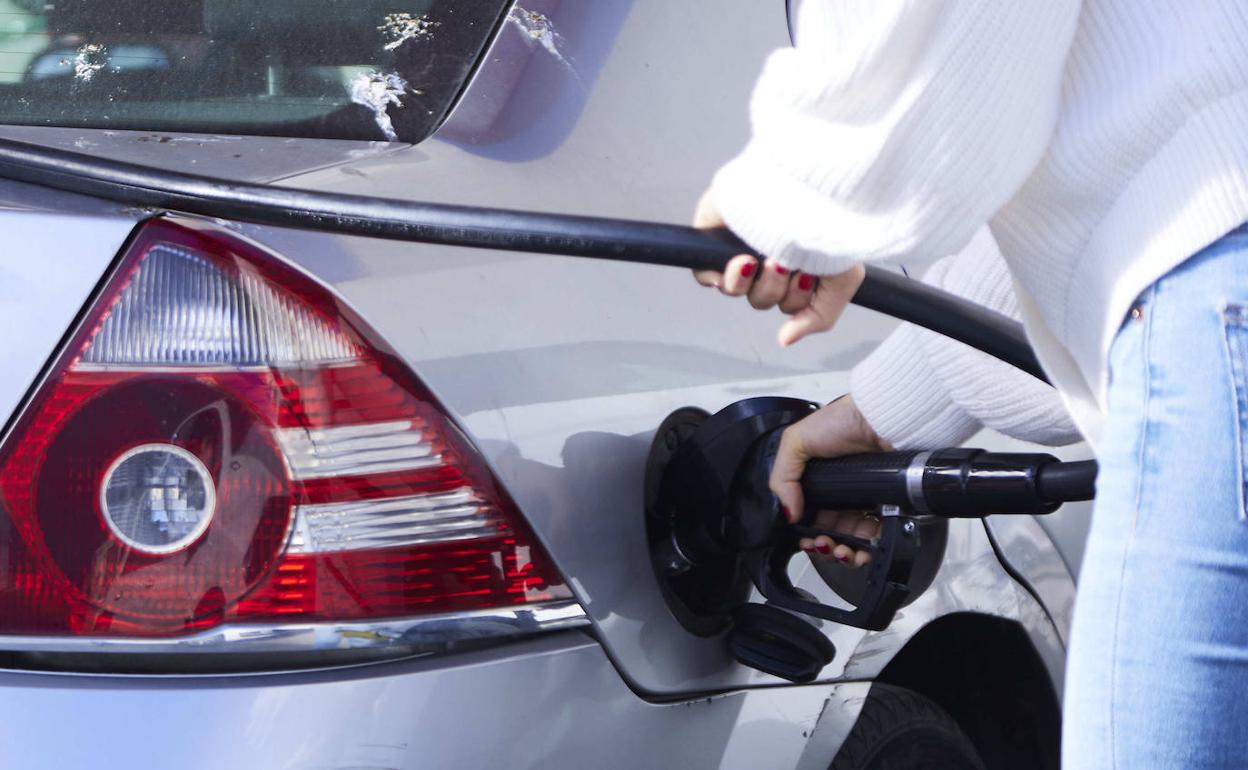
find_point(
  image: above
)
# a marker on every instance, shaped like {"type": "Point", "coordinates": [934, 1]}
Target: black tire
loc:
{"type": "Point", "coordinates": [902, 730]}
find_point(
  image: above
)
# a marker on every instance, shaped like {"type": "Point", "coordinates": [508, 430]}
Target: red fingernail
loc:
{"type": "Point", "coordinates": [784, 509]}
{"type": "Point", "coordinates": [843, 559]}
{"type": "Point", "coordinates": [824, 548]}
{"type": "Point", "coordinates": [806, 282]}
{"type": "Point", "coordinates": [748, 270]}
{"type": "Point", "coordinates": [782, 270]}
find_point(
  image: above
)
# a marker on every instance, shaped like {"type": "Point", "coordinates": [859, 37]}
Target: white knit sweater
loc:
{"type": "Point", "coordinates": [1102, 142]}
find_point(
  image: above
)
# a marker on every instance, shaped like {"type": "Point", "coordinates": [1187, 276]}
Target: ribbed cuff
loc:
{"type": "Point", "coordinates": [761, 205]}
{"type": "Point", "coordinates": [902, 399]}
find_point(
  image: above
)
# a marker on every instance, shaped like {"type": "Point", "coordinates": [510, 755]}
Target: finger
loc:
{"type": "Point", "coordinates": [710, 278]}
{"type": "Point", "coordinates": [857, 524]}
{"type": "Point", "coordinates": [832, 294]}
{"type": "Point", "coordinates": [826, 520]}
{"type": "Point", "coordinates": [807, 544]}
{"type": "Point", "coordinates": [706, 213]}
{"type": "Point", "coordinates": [825, 545]}
{"type": "Point", "coordinates": [786, 474]}
{"type": "Point", "coordinates": [840, 521]}
{"type": "Point", "coordinates": [770, 286]}
{"type": "Point", "coordinates": [801, 289]}
{"type": "Point", "coordinates": [738, 275]}
{"type": "Point", "coordinates": [853, 523]}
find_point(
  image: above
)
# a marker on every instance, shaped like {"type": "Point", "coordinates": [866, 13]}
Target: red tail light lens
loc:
{"type": "Point", "coordinates": [223, 442]}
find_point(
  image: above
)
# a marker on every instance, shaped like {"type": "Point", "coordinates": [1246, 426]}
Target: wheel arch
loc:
{"type": "Point", "coordinates": [986, 673]}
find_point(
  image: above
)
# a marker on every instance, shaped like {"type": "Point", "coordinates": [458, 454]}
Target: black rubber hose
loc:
{"type": "Point", "coordinates": [951, 316]}
{"type": "Point", "coordinates": [1067, 482]}
{"type": "Point", "coordinates": [573, 236]}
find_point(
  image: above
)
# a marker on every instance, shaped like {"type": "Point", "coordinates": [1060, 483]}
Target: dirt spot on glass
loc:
{"type": "Point", "coordinates": [379, 91]}
{"type": "Point", "coordinates": [89, 59]}
{"type": "Point", "coordinates": [541, 31]}
{"type": "Point", "coordinates": [399, 28]}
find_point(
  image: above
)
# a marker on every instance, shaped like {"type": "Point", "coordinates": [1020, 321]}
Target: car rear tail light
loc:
{"type": "Point", "coordinates": [224, 445]}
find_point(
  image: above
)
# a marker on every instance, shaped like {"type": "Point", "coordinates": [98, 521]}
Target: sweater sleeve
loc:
{"type": "Point", "coordinates": [919, 389]}
{"type": "Point", "coordinates": [895, 128]}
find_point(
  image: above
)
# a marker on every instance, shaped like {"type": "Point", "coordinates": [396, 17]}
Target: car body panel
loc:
{"type": "Point", "coordinates": [1028, 553]}
{"type": "Point", "coordinates": [549, 702]}
{"type": "Point", "coordinates": [58, 247]}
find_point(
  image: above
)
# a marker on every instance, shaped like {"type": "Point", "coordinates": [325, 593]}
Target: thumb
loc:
{"type": "Point", "coordinates": [706, 214]}
{"type": "Point", "coordinates": [786, 474]}
{"type": "Point", "coordinates": [831, 296]}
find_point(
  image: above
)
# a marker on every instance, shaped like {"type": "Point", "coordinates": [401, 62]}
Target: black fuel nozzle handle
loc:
{"type": "Point", "coordinates": [856, 482]}
{"type": "Point", "coordinates": [897, 486]}
{"type": "Point", "coordinates": [947, 482]}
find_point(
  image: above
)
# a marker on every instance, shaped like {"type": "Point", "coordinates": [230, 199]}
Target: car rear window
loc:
{"type": "Point", "coordinates": [346, 69]}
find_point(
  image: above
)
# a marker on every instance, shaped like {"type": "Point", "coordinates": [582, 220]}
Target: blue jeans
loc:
{"type": "Point", "coordinates": [1157, 676]}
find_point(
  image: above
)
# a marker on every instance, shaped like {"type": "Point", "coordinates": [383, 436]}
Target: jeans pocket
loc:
{"type": "Point", "coordinates": [1235, 326]}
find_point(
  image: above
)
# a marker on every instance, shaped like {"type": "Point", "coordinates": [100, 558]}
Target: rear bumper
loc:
{"type": "Point", "coordinates": [554, 701]}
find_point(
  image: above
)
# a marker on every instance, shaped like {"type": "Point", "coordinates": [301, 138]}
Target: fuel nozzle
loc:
{"type": "Point", "coordinates": [720, 512]}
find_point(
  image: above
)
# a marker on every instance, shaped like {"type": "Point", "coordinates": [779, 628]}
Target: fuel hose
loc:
{"type": "Point", "coordinates": [953, 482]}
{"type": "Point", "coordinates": [487, 228]}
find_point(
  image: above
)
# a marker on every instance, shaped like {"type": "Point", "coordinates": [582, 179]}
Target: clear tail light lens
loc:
{"type": "Point", "coordinates": [224, 443]}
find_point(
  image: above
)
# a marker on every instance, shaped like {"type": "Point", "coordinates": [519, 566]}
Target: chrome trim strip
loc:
{"type": "Point", "coordinates": [914, 482]}
{"type": "Point", "coordinates": [192, 368]}
{"type": "Point", "coordinates": [432, 633]}
{"type": "Point", "coordinates": [86, 366]}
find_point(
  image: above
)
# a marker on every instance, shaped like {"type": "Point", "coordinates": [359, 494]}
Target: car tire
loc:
{"type": "Point", "coordinates": [900, 729]}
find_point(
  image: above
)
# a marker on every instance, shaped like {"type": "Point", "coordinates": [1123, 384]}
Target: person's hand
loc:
{"type": "Point", "coordinates": [836, 429]}
{"type": "Point", "coordinates": [815, 303]}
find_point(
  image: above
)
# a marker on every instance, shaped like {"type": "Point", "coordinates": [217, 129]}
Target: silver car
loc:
{"type": "Point", "coordinates": [281, 498]}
